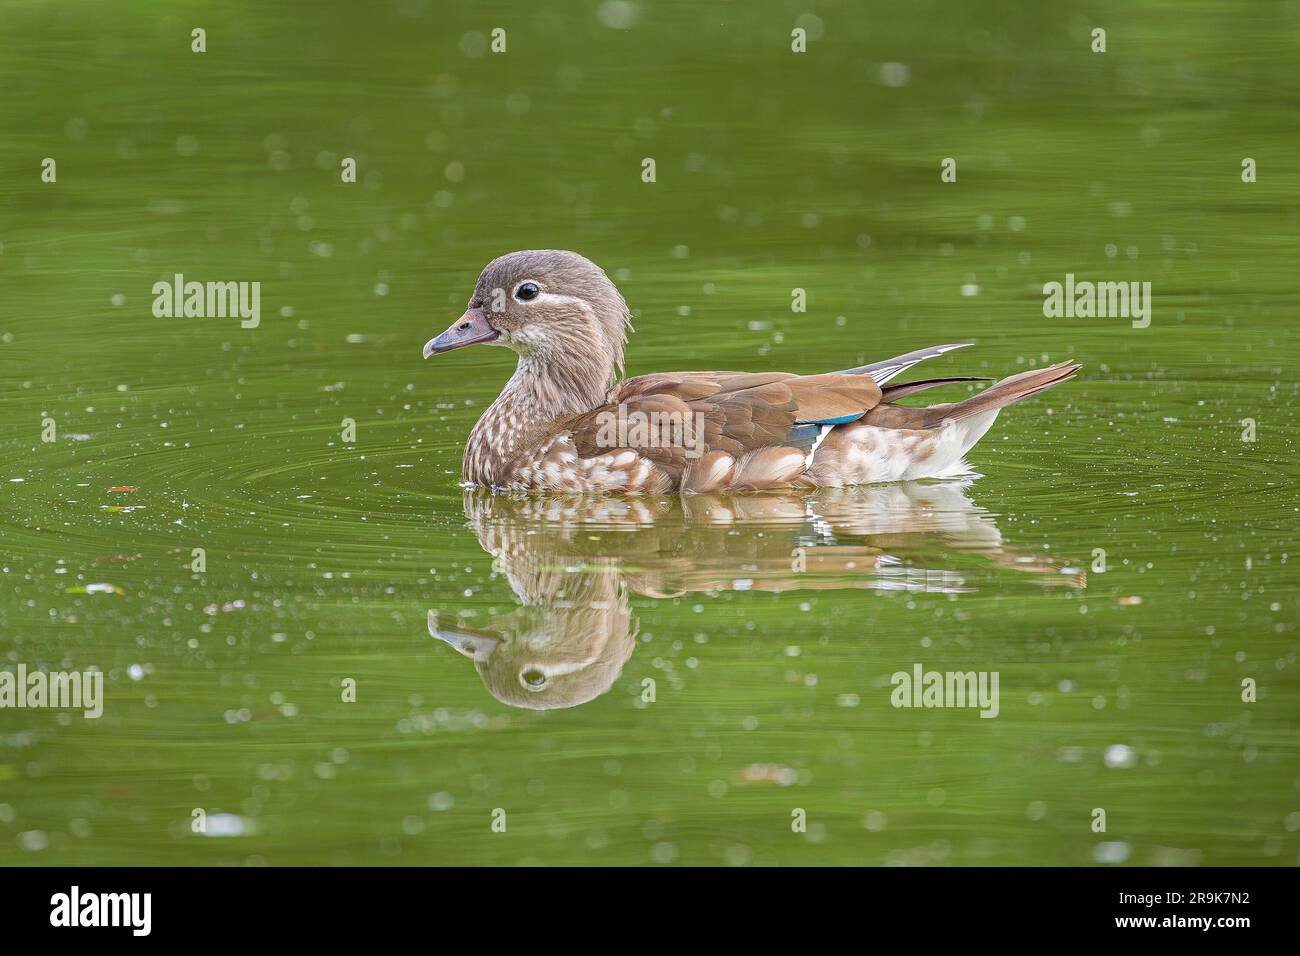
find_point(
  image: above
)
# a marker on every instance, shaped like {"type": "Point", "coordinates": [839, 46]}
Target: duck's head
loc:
{"type": "Point", "coordinates": [548, 305]}
{"type": "Point", "coordinates": [544, 657]}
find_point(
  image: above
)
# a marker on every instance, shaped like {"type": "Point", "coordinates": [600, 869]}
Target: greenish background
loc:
{"type": "Point", "coordinates": [775, 170]}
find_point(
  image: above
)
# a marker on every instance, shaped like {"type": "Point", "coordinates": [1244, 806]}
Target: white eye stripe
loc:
{"type": "Point", "coordinates": [557, 297]}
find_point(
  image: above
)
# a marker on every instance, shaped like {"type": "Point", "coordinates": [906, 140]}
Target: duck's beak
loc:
{"type": "Point", "coordinates": [477, 646]}
{"type": "Point", "coordinates": [470, 329]}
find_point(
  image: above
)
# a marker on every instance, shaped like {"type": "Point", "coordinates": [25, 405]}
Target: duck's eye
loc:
{"type": "Point", "coordinates": [527, 291]}
{"type": "Point", "coordinates": [533, 678]}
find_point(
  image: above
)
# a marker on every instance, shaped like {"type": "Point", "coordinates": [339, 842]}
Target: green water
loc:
{"type": "Point", "coordinates": [770, 626]}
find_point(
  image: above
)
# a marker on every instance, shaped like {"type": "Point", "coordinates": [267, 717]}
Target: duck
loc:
{"type": "Point", "coordinates": [568, 421]}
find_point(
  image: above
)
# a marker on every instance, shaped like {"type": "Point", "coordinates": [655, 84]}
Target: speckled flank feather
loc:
{"type": "Point", "coordinates": [754, 431]}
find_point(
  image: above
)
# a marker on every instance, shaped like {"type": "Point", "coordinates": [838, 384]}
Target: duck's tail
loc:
{"type": "Point", "coordinates": [1014, 388]}
{"type": "Point", "coordinates": [894, 442]}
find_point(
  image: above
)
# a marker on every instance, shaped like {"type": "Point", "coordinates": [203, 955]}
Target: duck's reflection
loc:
{"type": "Point", "coordinates": [575, 562]}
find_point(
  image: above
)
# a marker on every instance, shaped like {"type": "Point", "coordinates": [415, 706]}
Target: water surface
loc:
{"type": "Point", "coordinates": [769, 625]}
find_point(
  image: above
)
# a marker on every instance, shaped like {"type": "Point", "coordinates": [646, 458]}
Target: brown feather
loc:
{"type": "Point", "coordinates": [891, 392]}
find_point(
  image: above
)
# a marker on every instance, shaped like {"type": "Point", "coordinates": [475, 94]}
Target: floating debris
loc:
{"type": "Point", "coordinates": [214, 609]}
{"type": "Point", "coordinates": [99, 588]}
{"type": "Point", "coordinates": [1174, 856]}
{"type": "Point", "coordinates": [1120, 755]}
{"type": "Point", "coordinates": [767, 773]}
{"type": "Point", "coordinates": [34, 841]}
{"type": "Point", "coordinates": [1112, 851]}
{"type": "Point", "coordinates": [228, 825]}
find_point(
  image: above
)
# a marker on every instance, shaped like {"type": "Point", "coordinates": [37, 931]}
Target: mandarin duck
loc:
{"type": "Point", "coordinates": [567, 421]}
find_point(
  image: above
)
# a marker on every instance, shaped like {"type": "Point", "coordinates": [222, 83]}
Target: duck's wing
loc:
{"type": "Point", "coordinates": [881, 371]}
{"type": "Point", "coordinates": [708, 431]}
{"type": "Point", "coordinates": [708, 382]}
{"type": "Point", "coordinates": [828, 398]}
